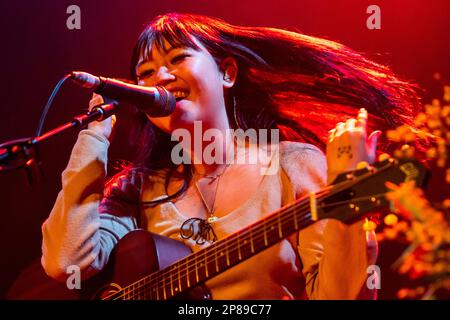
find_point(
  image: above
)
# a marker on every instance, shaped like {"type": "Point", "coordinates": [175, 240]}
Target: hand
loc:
{"type": "Point", "coordinates": [104, 127]}
{"type": "Point", "coordinates": [348, 145]}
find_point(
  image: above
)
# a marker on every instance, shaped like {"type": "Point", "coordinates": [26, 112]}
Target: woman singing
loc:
{"type": "Point", "coordinates": [321, 96]}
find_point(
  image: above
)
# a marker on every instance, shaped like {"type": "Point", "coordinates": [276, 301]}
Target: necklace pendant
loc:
{"type": "Point", "coordinates": [212, 219]}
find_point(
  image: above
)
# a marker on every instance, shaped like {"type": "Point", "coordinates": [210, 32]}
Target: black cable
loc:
{"type": "Point", "coordinates": [49, 103]}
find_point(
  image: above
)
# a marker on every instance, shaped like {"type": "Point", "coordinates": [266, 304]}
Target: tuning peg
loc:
{"type": "Point", "coordinates": [384, 156]}
{"type": "Point", "coordinates": [362, 165]}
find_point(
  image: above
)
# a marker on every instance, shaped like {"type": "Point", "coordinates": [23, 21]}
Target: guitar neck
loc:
{"type": "Point", "coordinates": [224, 254]}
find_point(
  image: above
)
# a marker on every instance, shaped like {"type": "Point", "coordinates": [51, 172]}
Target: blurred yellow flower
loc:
{"type": "Point", "coordinates": [417, 221]}
{"type": "Point", "coordinates": [391, 219]}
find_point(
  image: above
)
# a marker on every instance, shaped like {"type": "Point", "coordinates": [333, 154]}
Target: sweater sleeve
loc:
{"type": "Point", "coordinates": [82, 227]}
{"type": "Point", "coordinates": [334, 256]}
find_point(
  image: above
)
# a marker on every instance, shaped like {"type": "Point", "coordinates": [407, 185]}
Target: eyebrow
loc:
{"type": "Point", "coordinates": [149, 59]}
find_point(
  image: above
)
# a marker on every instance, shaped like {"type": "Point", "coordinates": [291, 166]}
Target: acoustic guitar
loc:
{"type": "Point", "coordinates": [144, 265]}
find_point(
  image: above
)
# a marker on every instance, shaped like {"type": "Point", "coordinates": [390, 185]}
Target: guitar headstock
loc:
{"type": "Point", "coordinates": [357, 193]}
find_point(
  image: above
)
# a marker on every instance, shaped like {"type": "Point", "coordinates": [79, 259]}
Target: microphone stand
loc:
{"type": "Point", "coordinates": [24, 153]}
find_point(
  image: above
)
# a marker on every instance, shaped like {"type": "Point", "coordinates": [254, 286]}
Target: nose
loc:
{"type": "Point", "coordinates": [163, 76]}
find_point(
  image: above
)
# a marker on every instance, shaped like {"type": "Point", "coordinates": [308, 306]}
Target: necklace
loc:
{"type": "Point", "coordinates": [210, 210]}
{"type": "Point", "coordinates": [199, 229]}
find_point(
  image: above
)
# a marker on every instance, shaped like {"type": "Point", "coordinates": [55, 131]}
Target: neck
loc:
{"type": "Point", "coordinates": [214, 155]}
{"type": "Point", "coordinates": [209, 147]}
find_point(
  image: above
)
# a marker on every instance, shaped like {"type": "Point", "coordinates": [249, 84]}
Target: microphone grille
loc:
{"type": "Point", "coordinates": [85, 79]}
{"type": "Point", "coordinates": [167, 102]}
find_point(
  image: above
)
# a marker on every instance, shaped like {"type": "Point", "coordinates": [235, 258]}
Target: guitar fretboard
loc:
{"type": "Point", "coordinates": [222, 255]}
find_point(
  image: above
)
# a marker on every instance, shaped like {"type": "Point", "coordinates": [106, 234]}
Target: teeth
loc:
{"type": "Point", "coordinates": [180, 94]}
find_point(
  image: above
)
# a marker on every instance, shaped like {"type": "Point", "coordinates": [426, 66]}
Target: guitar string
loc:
{"type": "Point", "coordinates": [181, 275]}
{"type": "Point", "coordinates": [333, 190]}
{"type": "Point", "coordinates": [227, 244]}
{"type": "Point", "coordinates": [171, 283]}
{"type": "Point", "coordinates": [145, 289]}
{"type": "Point", "coordinates": [224, 245]}
{"type": "Point", "coordinates": [150, 279]}
{"type": "Point", "coordinates": [185, 272]}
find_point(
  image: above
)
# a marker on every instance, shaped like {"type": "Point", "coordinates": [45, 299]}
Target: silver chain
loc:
{"type": "Point", "coordinates": [211, 218]}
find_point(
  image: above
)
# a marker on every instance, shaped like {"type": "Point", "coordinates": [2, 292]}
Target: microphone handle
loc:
{"type": "Point", "coordinates": [151, 100]}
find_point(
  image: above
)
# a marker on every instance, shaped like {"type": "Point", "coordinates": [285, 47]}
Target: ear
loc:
{"type": "Point", "coordinates": [229, 69]}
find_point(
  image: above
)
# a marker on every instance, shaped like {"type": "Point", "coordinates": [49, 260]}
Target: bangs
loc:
{"type": "Point", "coordinates": [178, 30]}
{"type": "Point", "coordinates": [172, 31]}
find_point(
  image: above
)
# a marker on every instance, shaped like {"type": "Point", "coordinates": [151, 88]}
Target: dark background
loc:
{"type": "Point", "coordinates": [37, 49]}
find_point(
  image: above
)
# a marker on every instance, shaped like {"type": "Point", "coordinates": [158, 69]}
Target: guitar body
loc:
{"type": "Point", "coordinates": [135, 256]}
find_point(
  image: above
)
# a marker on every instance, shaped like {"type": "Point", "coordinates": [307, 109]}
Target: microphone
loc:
{"type": "Point", "coordinates": [154, 101]}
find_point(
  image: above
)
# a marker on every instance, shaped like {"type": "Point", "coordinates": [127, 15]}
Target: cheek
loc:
{"type": "Point", "coordinates": [205, 77]}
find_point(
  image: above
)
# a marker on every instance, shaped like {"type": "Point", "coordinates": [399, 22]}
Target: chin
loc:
{"type": "Point", "coordinates": [183, 116]}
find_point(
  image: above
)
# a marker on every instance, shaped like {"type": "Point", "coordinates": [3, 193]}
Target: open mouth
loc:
{"type": "Point", "coordinates": [180, 95]}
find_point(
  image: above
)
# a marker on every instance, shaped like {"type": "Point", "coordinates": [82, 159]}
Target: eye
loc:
{"type": "Point", "coordinates": [178, 58]}
{"type": "Point", "coordinates": [146, 73]}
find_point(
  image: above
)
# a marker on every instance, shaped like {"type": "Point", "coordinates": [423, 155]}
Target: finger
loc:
{"type": "Point", "coordinates": [331, 134]}
{"type": "Point", "coordinates": [95, 101]}
{"type": "Point", "coordinates": [339, 128]}
{"type": "Point", "coordinates": [96, 95]}
{"type": "Point", "coordinates": [372, 142]}
{"type": "Point", "coordinates": [113, 120]}
{"type": "Point", "coordinates": [362, 118]}
{"type": "Point", "coordinates": [350, 124]}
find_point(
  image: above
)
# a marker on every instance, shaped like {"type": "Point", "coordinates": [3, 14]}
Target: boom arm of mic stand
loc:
{"type": "Point", "coordinates": [23, 153]}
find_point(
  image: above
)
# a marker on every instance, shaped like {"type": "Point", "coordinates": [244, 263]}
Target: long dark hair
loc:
{"type": "Point", "coordinates": [300, 84]}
